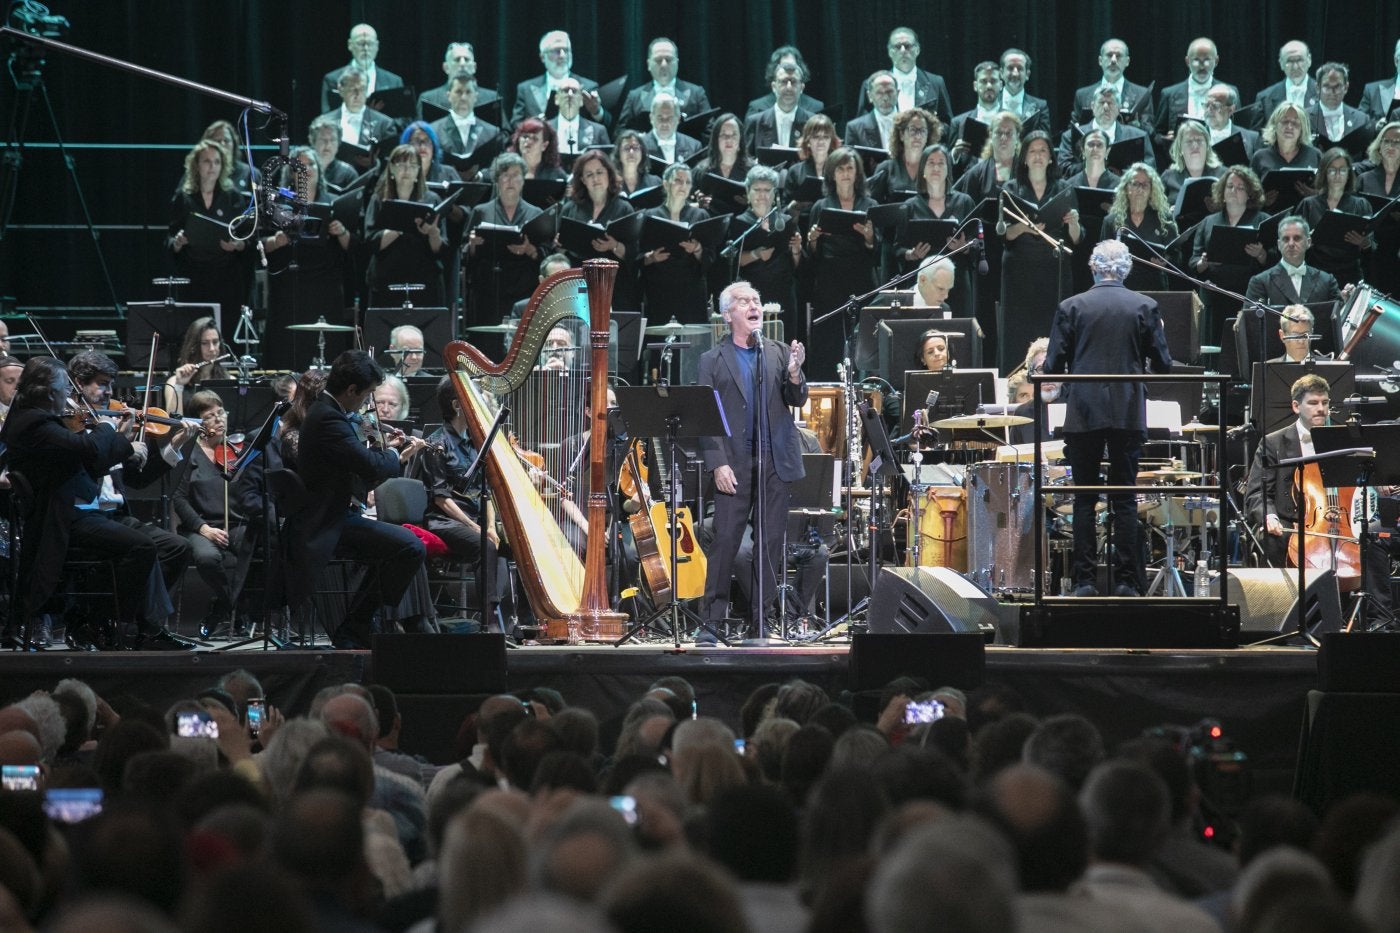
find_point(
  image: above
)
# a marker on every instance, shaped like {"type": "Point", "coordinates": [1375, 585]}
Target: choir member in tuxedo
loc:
{"type": "Point", "coordinates": [305, 277]}
{"type": "Point", "coordinates": [986, 84]}
{"type": "Point", "coordinates": [875, 127]}
{"type": "Point", "coordinates": [1293, 281]}
{"type": "Point", "coordinates": [359, 124]}
{"type": "Point", "coordinates": [572, 129]}
{"type": "Point", "coordinates": [458, 60]}
{"type": "Point", "coordinates": [780, 124]}
{"type": "Point", "coordinates": [1032, 276]}
{"type": "Point", "coordinates": [1287, 138]}
{"type": "Point", "coordinates": [1015, 72]}
{"type": "Point", "coordinates": [557, 56]}
{"type": "Point", "coordinates": [843, 261]}
{"type": "Point", "coordinates": [1377, 97]}
{"type": "Point", "coordinates": [364, 49]}
{"type": "Point", "coordinates": [630, 157]}
{"type": "Point", "coordinates": [324, 137]}
{"type": "Point", "coordinates": [673, 280]}
{"type": "Point", "coordinates": [1222, 101]}
{"type": "Point", "coordinates": [1189, 96]}
{"type": "Point", "coordinates": [1294, 60]}
{"type": "Point", "coordinates": [762, 437]}
{"type": "Point", "coordinates": [1240, 197]}
{"type": "Point", "coordinates": [664, 140]}
{"type": "Point", "coordinates": [1140, 209]}
{"type": "Point", "coordinates": [1106, 113]}
{"type": "Point", "coordinates": [499, 277]}
{"type": "Point", "coordinates": [595, 190]}
{"type": "Point", "coordinates": [461, 132]}
{"type": "Point", "coordinates": [663, 61]}
{"type": "Point", "coordinates": [771, 269]}
{"type": "Point", "coordinates": [1114, 59]}
{"type": "Point", "coordinates": [219, 273]}
{"type": "Point", "coordinates": [1384, 180]}
{"type": "Point", "coordinates": [1192, 157]}
{"type": "Point", "coordinates": [916, 86]}
{"type": "Point", "coordinates": [913, 130]}
{"type": "Point", "coordinates": [1330, 117]}
{"type": "Point", "coordinates": [335, 465]}
{"type": "Point", "coordinates": [785, 55]}
{"type": "Point", "coordinates": [399, 256]}
{"type": "Point", "coordinates": [1336, 185]}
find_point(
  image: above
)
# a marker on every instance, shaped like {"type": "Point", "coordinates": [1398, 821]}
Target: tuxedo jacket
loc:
{"type": "Point", "coordinates": [1172, 104]}
{"type": "Point", "coordinates": [930, 92]}
{"type": "Point", "coordinates": [1377, 97]}
{"type": "Point", "coordinates": [769, 100]}
{"type": "Point", "coordinates": [1035, 114]}
{"type": "Point", "coordinates": [864, 131]}
{"type": "Point", "coordinates": [761, 129]}
{"type": "Point", "coordinates": [532, 96]}
{"type": "Point", "coordinates": [451, 138]}
{"type": "Point", "coordinates": [589, 134]}
{"type": "Point", "coordinates": [1352, 119]}
{"type": "Point", "coordinates": [1132, 93]}
{"type": "Point", "coordinates": [374, 126]}
{"type": "Point", "coordinates": [686, 146]}
{"type": "Point", "coordinates": [636, 109]}
{"type": "Point", "coordinates": [438, 98]}
{"type": "Point", "coordinates": [1274, 287]}
{"type": "Point", "coordinates": [1268, 485]}
{"type": "Point", "coordinates": [384, 79]}
{"type": "Point", "coordinates": [1275, 94]}
{"type": "Point", "coordinates": [719, 368]}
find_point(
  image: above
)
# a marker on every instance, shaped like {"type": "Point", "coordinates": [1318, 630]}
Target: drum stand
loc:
{"type": "Point", "coordinates": [1168, 579]}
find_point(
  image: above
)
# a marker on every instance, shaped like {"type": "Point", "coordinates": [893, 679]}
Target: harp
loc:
{"type": "Point", "coordinates": [568, 596]}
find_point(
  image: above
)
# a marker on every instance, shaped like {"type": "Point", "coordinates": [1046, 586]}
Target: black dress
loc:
{"type": "Point", "coordinates": [626, 291]}
{"type": "Point", "coordinates": [1383, 270]}
{"type": "Point", "coordinates": [314, 288]}
{"type": "Point", "coordinates": [841, 267]}
{"type": "Point", "coordinates": [1108, 184]}
{"type": "Point", "coordinates": [956, 206]}
{"type": "Point", "coordinates": [216, 275]}
{"type": "Point", "coordinates": [1153, 229]}
{"type": "Point", "coordinates": [775, 277]}
{"type": "Point", "coordinates": [498, 278]}
{"type": "Point", "coordinates": [1172, 180]}
{"type": "Point", "coordinates": [1229, 276]}
{"type": "Point", "coordinates": [676, 287]}
{"type": "Point", "coordinates": [1345, 262]}
{"type": "Point", "coordinates": [409, 259]}
{"type": "Point", "coordinates": [1033, 282]}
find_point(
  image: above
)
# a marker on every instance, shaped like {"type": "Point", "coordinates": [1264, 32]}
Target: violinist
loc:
{"type": "Point", "coordinates": [77, 482]}
{"type": "Point", "coordinates": [211, 516]}
{"type": "Point", "coordinates": [1270, 495]}
{"type": "Point", "coordinates": [201, 351]}
{"type": "Point", "coordinates": [332, 459]}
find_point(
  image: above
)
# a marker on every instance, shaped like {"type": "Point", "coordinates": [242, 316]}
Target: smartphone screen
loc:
{"type": "Point", "coordinates": [915, 713]}
{"type": "Point", "coordinates": [627, 806]}
{"type": "Point", "coordinates": [20, 777]}
{"type": "Point", "coordinates": [72, 804]}
{"type": "Point", "coordinates": [255, 715]}
{"type": "Point", "coordinates": [196, 725]}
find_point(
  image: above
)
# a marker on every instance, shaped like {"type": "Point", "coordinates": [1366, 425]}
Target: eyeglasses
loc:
{"type": "Point", "coordinates": [1338, 171]}
{"type": "Point", "coordinates": [904, 46]}
{"type": "Point", "coordinates": [915, 131]}
{"type": "Point", "coordinates": [1140, 185]}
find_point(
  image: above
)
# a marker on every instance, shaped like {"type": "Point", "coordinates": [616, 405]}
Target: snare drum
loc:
{"type": "Point", "coordinates": [942, 528]}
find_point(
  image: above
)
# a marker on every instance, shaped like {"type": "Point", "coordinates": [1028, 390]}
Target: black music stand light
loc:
{"type": "Point", "coordinates": [675, 412]}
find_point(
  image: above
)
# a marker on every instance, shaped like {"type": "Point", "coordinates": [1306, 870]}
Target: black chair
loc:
{"type": "Point", "coordinates": [403, 500]}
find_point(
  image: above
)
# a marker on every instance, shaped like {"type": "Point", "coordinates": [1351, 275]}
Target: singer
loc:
{"type": "Point", "coordinates": [753, 466]}
{"type": "Point", "coordinates": [1106, 330]}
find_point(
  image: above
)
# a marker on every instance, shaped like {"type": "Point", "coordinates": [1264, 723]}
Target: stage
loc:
{"type": "Point", "coordinates": [1257, 694]}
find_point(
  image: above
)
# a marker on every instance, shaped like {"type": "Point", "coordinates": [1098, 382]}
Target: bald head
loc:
{"type": "Point", "coordinates": [352, 716]}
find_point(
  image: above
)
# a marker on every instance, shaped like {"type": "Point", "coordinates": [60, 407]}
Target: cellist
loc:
{"type": "Point", "coordinates": [1272, 500]}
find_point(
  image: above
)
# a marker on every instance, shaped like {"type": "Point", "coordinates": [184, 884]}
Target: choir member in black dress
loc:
{"type": "Point", "coordinates": [1192, 157]}
{"type": "Point", "coordinates": [423, 138]}
{"type": "Point", "coordinates": [305, 277]}
{"type": "Point", "coordinates": [1140, 205]}
{"type": "Point", "coordinates": [195, 363]}
{"type": "Point", "coordinates": [412, 256]}
{"type": "Point", "coordinates": [498, 277]}
{"type": "Point", "coordinates": [1033, 277]}
{"type": "Point", "coordinates": [997, 165]}
{"type": "Point", "coordinates": [936, 202]}
{"type": "Point", "coordinates": [726, 158]}
{"type": "Point", "coordinates": [843, 260]}
{"type": "Point", "coordinates": [324, 139]}
{"type": "Point", "coordinates": [535, 142]}
{"type": "Point", "coordinates": [770, 269]}
{"type": "Point", "coordinates": [595, 197]}
{"type": "Point", "coordinates": [1094, 174]}
{"type": "Point", "coordinates": [813, 149]}
{"type": "Point", "coordinates": [1240, 195]}
{"type": "Point", "coordinates": [1335, 183]}
{"type": "Point", "coordinates": [220, 273]}
{"type": "Point", "coordinates": [673, 281]}
{"type": "Point", "coordinates": [1287, 137]}
{"type": "Point", "coordinates": [241, 174]}
{"type": "Point", "coordinates": [913, 130]}
{"type": "Point", "coordinates": [1384, 180]}
{"type": "Point", "coordinates": [630, 156]}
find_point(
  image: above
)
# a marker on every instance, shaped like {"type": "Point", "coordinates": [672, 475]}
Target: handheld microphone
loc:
{"type": "Point", "coordinates": [981, 250]}
{"type": "Point", "coordinates": [1001, 215]}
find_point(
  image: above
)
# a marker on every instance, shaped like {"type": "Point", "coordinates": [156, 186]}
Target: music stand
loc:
{"type": "Point", "coordinates": [899, 342]}
{"type": "Point", "coordinates": [1373, 471]}
{"type": "Point", "coordinates": [960, 392]}
{"type": "Point", "coordinates": [867, 356]}
{"type": "Point", "coordinates": [435, 323]}
{"type": "Point", "coordinates": [169, 319]}
{"type": "Point", "coordinates": [675, 412]}
{"type": "Point", "coordinates": [247, 403]}
{"type": "Point", "coordinates": [1341, 380]}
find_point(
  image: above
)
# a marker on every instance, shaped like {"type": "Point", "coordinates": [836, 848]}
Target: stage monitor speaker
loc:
{"type": "Point", "coordinates": [440, 664]}
{"type": "Point", "coordinates": [1181, 315]}
{"type": "Point", "coordinates": [1268, 599]}
{"type": "Point", "coordinates": [930, 601]}
{"type": "Point", "coordinates": [955, 659]}
{"type": "Point", "coordinates": [1358, 662]}
{"type": "Point", "coordinates": [836, 580]}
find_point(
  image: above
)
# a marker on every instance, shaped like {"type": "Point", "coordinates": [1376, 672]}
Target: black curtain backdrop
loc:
{"type": "Point", "coordinates": [279, 51]}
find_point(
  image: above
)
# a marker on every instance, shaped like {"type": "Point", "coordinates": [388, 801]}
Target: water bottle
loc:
{"type": "Point", "coordinates": [1202, 587]}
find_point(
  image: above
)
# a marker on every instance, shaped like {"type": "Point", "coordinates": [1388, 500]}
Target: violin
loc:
{"type": "Point", "coordinates": [156, 420]}
{"type": "Point", "coordinates": [226, 453]}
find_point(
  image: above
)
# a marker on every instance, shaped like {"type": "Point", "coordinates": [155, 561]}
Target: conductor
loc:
{"type": "Point", "coordinates": [1107, 330]}
{"type": "Point", "coordinates": [753, 466]}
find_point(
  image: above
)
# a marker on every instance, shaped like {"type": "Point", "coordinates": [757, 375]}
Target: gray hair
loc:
{"type": "Point", "coordinates": [1294, 220]}
{"type": "Point", "coordinates": [935, 264]}
{"type": "Point", "coordinates": [282, 759]}
{"type": "Point", "coordinates": [1111, 260]}
{"type": "Point", "coordinates": [83, 694]}
{"type": "Point", "coordinates": [400, 330]}
{"type": "Point", "coordinates": [760, 173]}
{"type": "Point", "coordinates": [664, 99]}
{"type": "Point", "coordinates": [726, 297]}
{"type": "Point", "coordinates": [957, 869]}
{"type": "Point", "coordinates": [48, 716]}
{"type": "Point", "coordinates": [504, 161]}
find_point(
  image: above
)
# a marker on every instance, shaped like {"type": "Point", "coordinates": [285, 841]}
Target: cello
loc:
{"type": "Point", "coordinates": [1330, 540]}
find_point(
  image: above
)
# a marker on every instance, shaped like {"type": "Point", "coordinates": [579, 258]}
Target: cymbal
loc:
{"type": "Point", "coordinates": [982, 421]}
{"type": "Point", "coordinates": [494, 328]}
{"type": "Point", "coordinates": [1173, 474]}
{"type": "Point", "coordinates": [1209, 349]}
{"type": "Point", "coordinates": [323, 327]}
{"type": "Point", "coordinates": [675, 329]}
{"type": "Point", "coordinates": [1193, 427]}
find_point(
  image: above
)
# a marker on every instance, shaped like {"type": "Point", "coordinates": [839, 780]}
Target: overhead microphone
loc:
{"type": "Point", "coordinates": [981, 250]}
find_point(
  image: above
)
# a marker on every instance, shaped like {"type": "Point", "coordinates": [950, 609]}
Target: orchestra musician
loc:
{"type": "Point", "coordinates": [1271, 494]}
{"type": "Point", "coordinates": [200, 351]}
{"type": "Point", "coordinates": [733, 369]}
{"type": "Point", "coordinates": [332, 457]}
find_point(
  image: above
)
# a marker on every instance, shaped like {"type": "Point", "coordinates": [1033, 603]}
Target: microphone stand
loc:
{"type": "Point", "coordinates": [731, 248]}
{"type": "Point", "coordinates": [760, 499]}
{"type": "Point", "coordinates": [486, 571]}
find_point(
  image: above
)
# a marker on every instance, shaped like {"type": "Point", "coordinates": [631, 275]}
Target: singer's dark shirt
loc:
{"type": "Point", "coordinates": [443, 470]}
